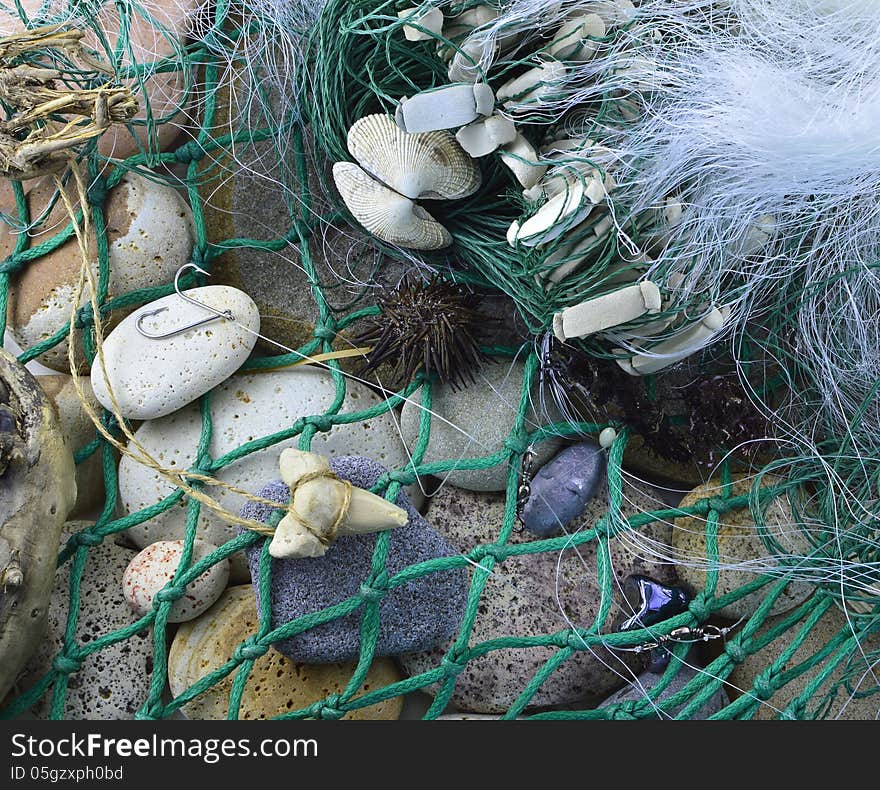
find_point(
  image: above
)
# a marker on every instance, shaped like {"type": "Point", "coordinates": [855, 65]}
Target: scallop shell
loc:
{"type": "Point", "coordinates": [386, 214]}
{"type": "Point", "coordinates": [417, 165]}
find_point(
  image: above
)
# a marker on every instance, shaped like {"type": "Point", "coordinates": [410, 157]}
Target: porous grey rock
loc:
{"type": "Point", "coordinates": [112, 683]}
{"type": "Point", "coordinates": [417, 615]}
{"type": "Point", "coordinates": [537, 594]}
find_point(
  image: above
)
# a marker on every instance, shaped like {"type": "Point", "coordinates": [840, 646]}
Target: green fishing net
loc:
{"type": "Point", "coordinates": [353, 69]}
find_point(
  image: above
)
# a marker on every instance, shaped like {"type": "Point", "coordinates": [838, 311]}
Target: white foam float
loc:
{"type": "Point", "coordinates": [445, 107]}
{"type": "Point", "coordinates": [607, 311]}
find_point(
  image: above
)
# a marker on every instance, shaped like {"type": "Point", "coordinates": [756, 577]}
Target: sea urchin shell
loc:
{"type": "Point", "coordinates": [428, 326]}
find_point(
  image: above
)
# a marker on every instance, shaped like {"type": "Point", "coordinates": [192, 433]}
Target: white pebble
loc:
{"type": "Point", "coordinates": [151, 569]}
{"type": "Point", "coordinates": [152, 378]}
{"type": "Point", "coordinates": [607, 437]}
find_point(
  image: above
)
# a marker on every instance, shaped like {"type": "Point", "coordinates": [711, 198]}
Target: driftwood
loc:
{"type": "Point", "coordinates": [37, 491]}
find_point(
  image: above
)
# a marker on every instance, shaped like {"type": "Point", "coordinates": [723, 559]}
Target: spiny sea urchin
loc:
{"type": "Point", "coordinates": [430, 326]}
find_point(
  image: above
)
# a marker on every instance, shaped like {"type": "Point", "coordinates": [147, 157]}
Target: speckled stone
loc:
{"type": "Point", "coordinates": [150, 233]}
{"type": "Point", "coordinates": [153, 377]}
{"type": "Point", "coordinates": [520, 600]}
{"type": "Point", "coordinates": [476, 421]}
{"type": "Point", "coordinates": [246, 407]}
{"type": "Point", "coordinates": [151, 569]}
{"type": "Point", "coordinates": [662, 710]}
{"type": "Point", "coordinates": [738, 541]}
{"type": "Point", "coordinates": [860, 669]}
{"type": "Point", "coordinates": [416, 616]}
{"type": "Point", "coordinates": [562, 488]}
{"type": "Point", "coordinates": [78, 431]}
{"type": "Point", "coordinates": [276, 684]}
{"type": "Point", "coordinates": [114, 682]}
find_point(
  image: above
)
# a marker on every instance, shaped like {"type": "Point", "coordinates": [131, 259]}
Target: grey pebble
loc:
{"type": "Point", "coordinates": [562, 488]}
{"type": "Point", "coordinates": [417, 615]}
{"type": "Point", "coordinates": [634, 692]}
{"type": "Point", "coordinates": [476, 421]}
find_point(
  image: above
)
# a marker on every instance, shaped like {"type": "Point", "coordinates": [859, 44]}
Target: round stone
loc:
{"type": "Point", "coordinates": [114, 682]}
{"type": "Point", "coordinates": [849, 693]}
{"type": "Point", "coordinates": [150, 232]}
{"type": "Point", "coordinates": [739, 546]}
{"type": "Point", "coordinates": [154, 567]}
{"type": "Point", "coordinates": [562, 488]}
{"type": "Point", "coordinates": [276, 684]}
{"type": "Point", "coordinates": [530, 595]}
{"type": "Point", "coordinates": [247, 407]}
{"type": "Point", "coordinates": [153, 377]}
{"type": "Point", "coordinates": [78, 431]}
{"type": "Point", "coordinates": [475, 421]}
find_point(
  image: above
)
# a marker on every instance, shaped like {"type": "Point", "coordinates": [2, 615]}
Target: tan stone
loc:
{"type": "Point", "coordinates": [738, 542]}
{"type": "Point", "coordinates": [276, 684]}
{"type": "Point", "coordinates": [860, 670]}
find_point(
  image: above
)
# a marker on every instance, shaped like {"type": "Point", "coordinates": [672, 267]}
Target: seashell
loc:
{"type": "Point", "coordinates": [573, 40]}
{"type": "Point", "coordinates": [559, 214]}
{"type": "Point", "coordinates": [684, 343]}
{"type": "Point", "coordinates": [607, 311]}
{"type": "Point", "coordinates": [422, 165]}
{"type": "Point", "coordinates": [386, 214]}
{"type": "Point", "coordinates": [446, 107]}
{"type": "Point", "coordinates": [308, 529]}
{"type": "Point", "coordinates": [532, 86]}
{"type": "Point", "coordinates": [483, 137]}
{"type": "Point", "coordinates": [522, 159]}
{"type": "Point", "coordinates": [431, 20]}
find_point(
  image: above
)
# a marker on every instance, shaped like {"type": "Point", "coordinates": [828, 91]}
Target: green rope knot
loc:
{"type": "Point", "coordinates": [320, 422]}
{"type": "Point", "coordinates": [96, 193]}
{"type": "Point", "coordinates": [324, 332]}
{"type": "Point", "coordinates": [89, 539]}
{"type": "Point", "coordinates": [623, 712]}
{"type": "Point", "coordinates": [328, 708]}
{"type": "Point", "coordinates": [168, 594]}
{"type": "Point", "coordinates": [189, 152]}
{"type": "Point", "coordinates": [573, 640]}
{"type": "Point", "coordinates": [374, 591]}
{"type": "Point", "coordinates": [11, 264]}
{"type": "Point", "coordinates": [517, 442]}
{"type": "Point", "coordinates": [701, 608]}
{"type": "Point", "coordinates": [249, 650]}
{"type": "Point", "coordinates": [763, 686]}
{"type": "Point", "coordinates": [454, 662]}
{"type": "Point", "coordinates": [67, 665]}
{"type": "Point", "coordinates": [401, 476]}
{"type": "Point", "coordinates": [718, 503]}
{"type": "Point", "coordinates": [498, 553]}
{"type": "Point", "coordinates": [735, 652]}
{"type": "Point", "coordinates": [603, 527]}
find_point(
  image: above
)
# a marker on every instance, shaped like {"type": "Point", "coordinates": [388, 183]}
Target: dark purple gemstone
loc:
{"type": "Point", "coordinates": [651, 602]}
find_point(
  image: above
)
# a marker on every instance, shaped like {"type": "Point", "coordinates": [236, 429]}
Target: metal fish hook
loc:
{"type": "Point", "coordinates": [218, 314]}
